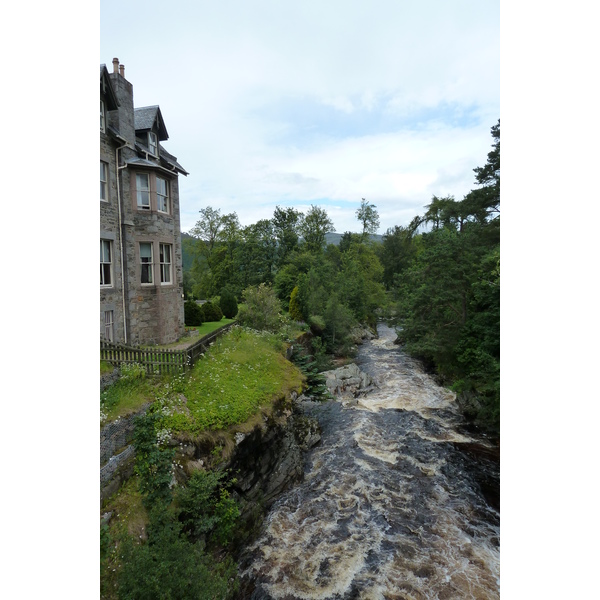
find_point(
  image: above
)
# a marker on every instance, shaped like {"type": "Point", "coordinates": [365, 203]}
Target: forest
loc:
{"type": "Point", "coordinates": [436, 279]}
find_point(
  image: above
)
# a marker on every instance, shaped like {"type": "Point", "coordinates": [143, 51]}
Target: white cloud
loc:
{"type": "Point", "coordinates": [415, 87]}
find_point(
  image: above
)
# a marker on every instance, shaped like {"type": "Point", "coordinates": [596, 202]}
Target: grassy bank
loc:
{"type": "Point", "coordinates": [241, 372]}
{"type": "Point", "coordinates": [183, 542]}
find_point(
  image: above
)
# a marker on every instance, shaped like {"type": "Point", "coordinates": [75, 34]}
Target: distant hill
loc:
{"type": "Point", "coordinates": [334, 238]}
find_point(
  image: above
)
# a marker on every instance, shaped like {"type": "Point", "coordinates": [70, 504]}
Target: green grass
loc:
{"type": "Point", "coordinates": [106, 367]}
{"type": "Point", "coordinates": [126, 396]}
{"type": "Point", "coordinates": [209, 327]}
{"type": "Point", "coordinates": [242, 371]}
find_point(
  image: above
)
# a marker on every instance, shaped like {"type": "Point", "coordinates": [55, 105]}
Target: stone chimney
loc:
{"type": "Point", "coordinates": [123, 120]}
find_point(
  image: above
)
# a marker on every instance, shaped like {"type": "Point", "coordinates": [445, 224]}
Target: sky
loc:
{"type": "Point", "coordinates": [293, 104]}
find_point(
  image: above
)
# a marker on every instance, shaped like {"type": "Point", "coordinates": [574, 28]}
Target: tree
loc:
{"type": "Point", "coordinates": [348, 239]}
{"type": "Point", "coordinates": [368, 216]}
{"type": "Point", "coordinates": [286, 224]}
{"type": "Point", "coordinates": [396, 253]}
{"type": "Point", "coordinates": [207, 228]}
{"type": "Point", "coordinates": [314, 226]}
{"type": "Point", "coordinates": [217, 237]}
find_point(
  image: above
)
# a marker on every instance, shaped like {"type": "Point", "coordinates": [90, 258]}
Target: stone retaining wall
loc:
{"type": "Point", "coordinates": [118, 434]}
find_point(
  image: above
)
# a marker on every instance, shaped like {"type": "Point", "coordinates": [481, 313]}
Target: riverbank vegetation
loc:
{"type": "Point", "coordinates": [176, 541]}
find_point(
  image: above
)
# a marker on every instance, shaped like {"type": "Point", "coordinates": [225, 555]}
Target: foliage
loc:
{"type": "Point", "coordinates": [396, 253]}
{"type": "Point", "coordinates": [228, 304]}
{"type": "Point", "coordinates": [206, 506]}
{"type": "Point", "coordinates": [315, 388]}
{"type": "Point", "coordinates": [211, 312]}
{"type": "Point", "coordinates": [314, 226]}
{"type": "Point", "coordinates": [170, 566]}
{"type": "Point", "coordinates": [447, 288]}
{"type": "Point", "coordinates": [153, 462]}
{"type": "Point", "coordinates": [339, 321]}
{"type": "Point", "coordinates": [242, 371]}
{"type": "Point", "coordinates": [261, 310]}
{"type": "Point", "coordinates": [286, 224]}
{"type": "Point", "coordinates": [368, 216]}
{"type": "Point", "coordinates": [295, 312]}
{"type": "Point", "coordinates": [192, 313]}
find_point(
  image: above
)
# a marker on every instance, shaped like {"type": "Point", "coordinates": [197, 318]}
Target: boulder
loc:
{"type": "Point", "coordinates": [348, 381]}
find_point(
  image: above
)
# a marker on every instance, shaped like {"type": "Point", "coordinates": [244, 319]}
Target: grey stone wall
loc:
{"type": "Point", "coordinates": [115, 436]}
{"type": "Point", "coordinates": [153, 314]}
{"type": "Point", "coordinates": [111, 298]}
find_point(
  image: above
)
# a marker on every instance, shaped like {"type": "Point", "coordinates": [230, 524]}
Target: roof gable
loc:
{"type": "Point", "coordinates": [150, 118]}
{"type": "Point", "coordinates": [107, 90]}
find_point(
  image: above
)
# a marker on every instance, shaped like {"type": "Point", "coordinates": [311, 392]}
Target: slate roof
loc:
{"type": "Point", "coordinates": [145, 118]}
{"type": "Point", "coordinates": [172, 160]}
{"type": "Point", "coordinates": [166, 161]}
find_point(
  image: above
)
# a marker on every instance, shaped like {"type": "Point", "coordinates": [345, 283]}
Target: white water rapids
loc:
{"type": "Point", "coordinates": [391, 506]}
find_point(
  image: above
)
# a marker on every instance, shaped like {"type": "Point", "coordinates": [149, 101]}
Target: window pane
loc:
{"type": "Point", "coordinates": [141, 182]}
{"type": "Point", "coordinates": [147, 273]}
{"type": "Point", "coordinates": [146, 250]}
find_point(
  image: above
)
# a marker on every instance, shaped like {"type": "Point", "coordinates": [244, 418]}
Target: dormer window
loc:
{"type": "Point", "coordinates": [102, 116]}
{"type": "Point", "coordinates": [152, 143]}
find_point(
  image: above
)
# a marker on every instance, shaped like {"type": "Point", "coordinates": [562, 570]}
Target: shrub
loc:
{"type": "Point", "coordinates": [207, 507]}
{"type": "Point", "coordinates": [295, 312]}
{"type": "Point", "coordinates": [170, 566]}
{"type": "Point", "coordinates": [211, 312]}
{"type": "Point", "coordinates": [193, 313]}
{"type": "Point", "coordinates": [153, 463]}
{"type": "Point", "coordinates": [262, 310]}
{"type": "Point", "coordinates": [228, 304]}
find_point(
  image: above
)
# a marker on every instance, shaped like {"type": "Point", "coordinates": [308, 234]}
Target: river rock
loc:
{"type": "Point", "coordinates": [348, 382]}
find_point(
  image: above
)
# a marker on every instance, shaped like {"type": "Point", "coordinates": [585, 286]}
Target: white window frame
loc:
{"type": "Point", "coordinates": [109, 325]}
{"type": "Point", "coordinates": [141, 190]}
{"type": "Point", "coordinates": [106, 254]}
{"type": "Point", "coordinates": [152, 143]}
{"type": "Point", "coordinates": [162, 199]}
{"type": "Point", "coordinates": [103, 182]}
{"type": "Point", "coordinates": [147, 266]}
{"type": "Point", "coordinates": [102, 116]}
{"type": "Point", "coordinates": [166, 264]}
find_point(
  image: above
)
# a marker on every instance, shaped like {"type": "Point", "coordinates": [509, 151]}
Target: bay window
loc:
{"type": "Point", "coordinates": [142, 183]}
{"type": "Point", "coordinates": [162, 194]}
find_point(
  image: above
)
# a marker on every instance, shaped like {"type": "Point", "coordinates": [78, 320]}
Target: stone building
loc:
{"type": "Point", "coordinates": [141, 274]}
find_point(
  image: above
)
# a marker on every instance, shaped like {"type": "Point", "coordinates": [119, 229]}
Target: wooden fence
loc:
{"type": "Point", "coordinates": [156, 359]}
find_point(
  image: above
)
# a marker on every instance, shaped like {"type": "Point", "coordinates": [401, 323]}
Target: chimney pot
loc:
{"type": "Point", "coordinates": [115, 65]}
{"type": "Point", "coordinates": [122, 70]}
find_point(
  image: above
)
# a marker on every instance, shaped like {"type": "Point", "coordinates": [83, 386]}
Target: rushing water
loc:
{"type": "Point", "coordinates": [397, 503]}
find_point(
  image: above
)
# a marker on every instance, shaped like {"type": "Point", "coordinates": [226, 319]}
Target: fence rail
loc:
{"type": "Point", "coordinates": [159, 360]}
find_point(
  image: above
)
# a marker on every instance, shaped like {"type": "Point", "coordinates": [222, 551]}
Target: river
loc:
{"type": "Point", "coordinates": [399, 501]}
